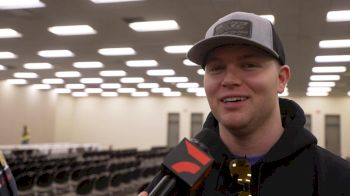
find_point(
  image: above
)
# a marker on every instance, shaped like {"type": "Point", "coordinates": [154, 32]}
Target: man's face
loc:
{"type": "Point", "coordinates": [241, 84]}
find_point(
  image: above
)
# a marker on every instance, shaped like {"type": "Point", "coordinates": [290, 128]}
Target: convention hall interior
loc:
{"type": "Point", "coordinates": [95, 111]}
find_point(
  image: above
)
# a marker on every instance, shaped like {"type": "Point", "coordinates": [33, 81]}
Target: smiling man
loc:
{"type": "Point", "coordinates": [245, 69]}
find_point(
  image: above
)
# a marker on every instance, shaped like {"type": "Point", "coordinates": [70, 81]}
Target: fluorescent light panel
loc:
{"type": "Point", "coordinates": [161, 25]}
{"type": "Point", "coordinates": [340, 43]}
{"type": "Point", "coordinates": [75, 86]}
{"type": "Point", "coordinates": [319, 89]}
{"type": "Point", "coordinates": [2, 67]}
{"type": "Point", "coordinates": [41, 86]}
{"type": "Point", "coordinates": [91, 80]}
{"type": "Point", "coordinates": [52, 81]}
{"type": "Point", "coordinates": [88, 64]}
{"type": "Point", "coordinates": [117, 51]}
{"type": "Point", "coordinates": [7, 55]}
{"type": "Point", "coordinates": [324, 77]}
{"type": "Point", "coordinates": [161, 72]}
{"type": "Point", "coordinates": [177, 49]}
{"type": "Point", "coordinates": [38, 66]}
{"type": "Point", "coordinates": [160, 90]}
{"type": "Point", "coordinates": [62, 91]}
{"type": "Point", "coordinates": [126, 90]}
{"type": "Point", "coordinates": [72, 30]}
{"type": "Point", "coordinates": [67, 74]}
{"type": "Point", "coordinates": [316, 94]}
{"type": "Point", "coordinates": [175, 79]}
{"type": "Point", "coordinates": [140, 94]}
{"type": "Point", "coordinates": [20, 4]}
{"type": "Point", "coordinates": [55, 53]}
{"type": "Point", "coordinates": [189, 63]}
{"type": "Point", "coordinates": [109, 94]}
{"type": "Point", "coordinates": [332, 58]}
{"type": "Point", "coordinates": [93, 90]}
{"type": "Point", "coordinates": [25, 75]}
{"type": "Point", "coordinates": [172, 94]}
{"type": "Point", "coordinates": [110, 85]}
{"type": "Point", "coordinates": [142, 63]}
{"type": "Point", "coordinates": [322, 84]}
{"type": "Point", "coordinates": [132, 80]}
{"type": "Point", "coordinates": [187, 85]}
{"type": "Point", "coordinates": [112, 73]}
{"type": "Point", "coordinates": [329, 69]}
{"type": "Point", "coordinates": [200, 72]}
{"type": "Point", "coordinates": [112, 1]}
{"type": "Point", "coordinates": [338, 16]}
{"type": "Point", "coordinates": [16, 81]}
{"type": "Point", "coordinates": [79, 94]}
{"type": "Point", "coordinates": [148, 85]}
{"type": "Point", "coordinates": [9, 33]}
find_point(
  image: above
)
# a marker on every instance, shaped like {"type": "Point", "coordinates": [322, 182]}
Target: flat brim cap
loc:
{"type": "Point", "coordinates": [238, 28]}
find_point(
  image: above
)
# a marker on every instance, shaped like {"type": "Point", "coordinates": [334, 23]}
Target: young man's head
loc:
{"type": "Point", "coordinates": [245, 70]}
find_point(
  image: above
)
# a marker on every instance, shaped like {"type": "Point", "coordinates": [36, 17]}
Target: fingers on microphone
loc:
{"type": "Point", "coordinates": [143, 194]}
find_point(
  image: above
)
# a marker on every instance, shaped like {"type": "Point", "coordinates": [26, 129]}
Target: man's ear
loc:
{"type": "Point", "coordinates": [283, 77]}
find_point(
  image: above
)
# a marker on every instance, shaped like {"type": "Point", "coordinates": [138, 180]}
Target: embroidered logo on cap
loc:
{"type": "Point", "coordinates": [234, 27]}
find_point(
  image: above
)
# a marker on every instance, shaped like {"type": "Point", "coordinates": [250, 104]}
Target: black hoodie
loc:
{"type": "Point", "coordinates": [294, 166]}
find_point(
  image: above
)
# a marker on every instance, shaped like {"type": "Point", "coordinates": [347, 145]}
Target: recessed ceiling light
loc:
{"type": "Point", "coordinates": [187, 85]}
{"type": "Point", "coordinates": [332, 58]}
{"type": "Point", "coordinates": [72, 30]}
{"type": "Point", "coordinates": [338, 16]}
{"type": "Point", "coordinates": [195, 90]}
{"type": "Point", "coordinates": [320, 84]}
{"type": "Point", "coordinates": [172, 94]}
{"type": "Point", "coordinates": [52, 81]}
{"type": "Point", "coordinates": [177, 49]}
{"type": "Point", "coordinates": [79, 94]}
{"type": "Point", "coordinates": [140, 94]}
{"type": "Point", "coordinates": [62, 91]}
{"type": "Point", "coordinates": [324, 77]}
{"type": "Point", "coordinates": [93, 90]}
{"type": "Point", "coordinates": [55, 53]}
{"type": "Point", "coordinates": [161, 72]}
{"type": "Point", "coordinates": [109, 94]}
{"type": "Point", "coordinates": [175, 79]}
{"type": "Point", "coordinates": [75, 86]}
{"type": "Point", "coordinates": [91, 80]}
{"type": "Point", "coordinates": [329, 69]}
{"type": "Point", "coordinates": [7, 55]}
{"type": "Point", "coordinates": [319, 89]}
{"type": "Point", "coordinates": [132, 80]}
{"type": "Point", "coordinates": [340, 43]}
{"type": "Point", "coordinates": [161, 25]}
{"type": "Point", "coordinates": [88, 64]}
{"type": "Point", "coordinates": [67, 74]}
{"type": "Point", "coordinates": [16, 81]}
{"type": "Point", "coordinates": [2, 67]}
{"type": "Point", "coordinates": [200, 72]}
{"type": "Point", "coordinates": [20, 4]}
{"type": "Point", "coordinates": [117, 51]}
{"type": "Point", "coordinates": [110, 85]}
{"type": "Point", "coordinates": [142, 63]}
{"type": "Point", "coordinates": [148, 85]}
{"type": "Point", "coordinates": [317, 94]}
{"type": "Point", "coordinates": [38, 66]}
{"type": "Point", "coordinates": [25, 75]}
{"type": "Point", "coordinates": [189, 63]}
{"type": "Point", "coordinates": [113, 1]}
{"type": "Point", "coordinates": [160, 90]}
{"type": "Point", "coordinates": [9, 33]}
{"type": "Point", "coordinates": [41, 86]}
{"type": "Point", "coordinates": [126, 90]}
{"type": "Point", "coordinates": [112, 73]}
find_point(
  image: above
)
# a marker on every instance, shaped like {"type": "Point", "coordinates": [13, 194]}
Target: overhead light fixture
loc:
{"type": "Point", "coordinates": [80, 94]}
{"type": "Point", "coordinates": [148, 85]}
{"type": "Point", "coordinates": [91, 80]}
{"type": "Point", "coordinates": [177, 49]}
{"type": "Point", "coordinates": [142, 63]}
{"type": "Point", "coordinates": [88, 64]}
{"type": "Point", "coordinates": [109, 94]}
{"type": "Point", "coordinates": [117, 51]}
{"type": "Point", "coordinates": [126, 90]}
{"type": "Point", "coordinates": [200, 72]}
{"type": "Point", "coordinates": [322, 84]}
{"type": "Point", "coordinates": [319, 89]}
{"type": "Point", "coordinates": [332, 58]}
{"type": "Point", "coordinates": [7, 55]}
{"type": "Point", "coordinates": [317, 94]}
{"type": "Point", "coordinates": [160, 90]}
{"type": "Point", "coordinates": [189, 63]}
{"type": "Point", "coordinates": [338, 16]}
{"type": "Point", "coordinates": [140, 94]}
{"type": "Point", "coordinates": [195, 90]}
{"type": "Point", "coordinates": [67, 74]}
{"type": "Point", "coordinates": [160, 72]}
{"type": "Point", "coordinates": [339, 43]}
{"type": "Point", "coordinates": [110, 85]}
{"type": "Point", "coordinates": [9, 33]}
{"type": "Point", "coordinates": [324, 77]}
{"type": "Point", "coordinates": [175, 79]}
{"type": "Point", "coordinates": [329, 69]}
{"type": "Point", "coordinates": [160, 25]}
{"type": "Point", "coordinates": [93, 90]}
{"type": "Point", "coordinates": [112, 73]}
{"type": "Point", "coordinates": [348, 93]}
{"type": "Point", "coordinates": [172, 94]}
{"type": "Point", "coordinates": [52, 81]}
{"type": "Point", "coordinates": [187, 85]}
{"type": "Point", "coordinates": [271, 18]}
{"type": "Point", "coordinates": [2, 67]}
{"type": "Point", "coordinates": [25, 75]}
{"type": "Point", "coordinates": [38, 66]}
{"type": "Point", "coordinates": [112, 1]}
{"type": "Point", "coordinates": [62, 91]}
{"type": "Point", "coordinates": [72, 30]}
{"type": "Point", "coordinates": [16, 81]}
{"type": "Point", "coordinates": [75, 86]}
{"type": "Point", "coordinates": [55, 53]}
{"type": "Point", "coordinates": [201, 94]}
{"type": "Point", "coordinates": [132, 80]}
{"type": "Point", "coordinates": [20, 4]}
{"type": "Point", "coordinates": [41, 86]}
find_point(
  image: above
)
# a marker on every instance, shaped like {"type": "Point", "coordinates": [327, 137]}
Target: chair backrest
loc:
{"type": "Point", "coordinates": [85, 186]}
{"type": "Point", "coordinates": [102, 182]}
{"type": "Point", "coordinates": [25, 181]}
{"type": "Point", "coordinates": [45, 178]}
{"type": "Point", "coordinates": [115, 180]}
{"type": "Point", "coordinates": [61, 176]}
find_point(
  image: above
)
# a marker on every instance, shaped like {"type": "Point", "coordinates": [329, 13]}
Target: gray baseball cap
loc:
{"type": "Point", "coordinates": [238, 28]}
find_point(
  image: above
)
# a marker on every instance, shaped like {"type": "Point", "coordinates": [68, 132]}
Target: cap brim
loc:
{"type": "Point", "coordinates": [200, 50]}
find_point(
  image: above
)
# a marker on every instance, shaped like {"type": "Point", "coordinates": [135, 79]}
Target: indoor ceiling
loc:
{"type": "Point", "coordinates": [301, 25]}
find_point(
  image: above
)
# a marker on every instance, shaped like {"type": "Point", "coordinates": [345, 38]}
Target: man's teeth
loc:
{"type": "Point", "coordinates": [234, 99]}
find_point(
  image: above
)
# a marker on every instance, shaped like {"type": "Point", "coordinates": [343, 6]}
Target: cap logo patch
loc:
{"type": "Point", "coordinates": [234, 27]}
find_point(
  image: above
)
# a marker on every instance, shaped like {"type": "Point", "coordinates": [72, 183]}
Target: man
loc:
{"type": "Point", "coordinates": [245, 69]}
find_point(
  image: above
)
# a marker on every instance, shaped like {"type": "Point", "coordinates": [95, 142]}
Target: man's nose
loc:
{"type": "Point", "coordinates": [232, 78]}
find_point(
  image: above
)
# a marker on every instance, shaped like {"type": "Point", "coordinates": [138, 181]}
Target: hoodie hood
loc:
{"type": "Point", "coordinates": [294, 138]}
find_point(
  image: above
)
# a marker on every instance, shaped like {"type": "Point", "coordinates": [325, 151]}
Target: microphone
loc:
{"type": "Point", "coordinates": [186, 164]}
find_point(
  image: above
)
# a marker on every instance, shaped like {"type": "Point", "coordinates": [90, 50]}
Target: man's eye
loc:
{"type": "Point", "coordinates": [249, 66]}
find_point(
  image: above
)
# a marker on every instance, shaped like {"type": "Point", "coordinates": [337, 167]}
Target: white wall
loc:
{"type": "Point", "coordinates": [24, 105]}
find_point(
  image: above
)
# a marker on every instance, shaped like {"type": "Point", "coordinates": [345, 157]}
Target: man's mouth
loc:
{"type": "Point", "coordinates": [234, 99]}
